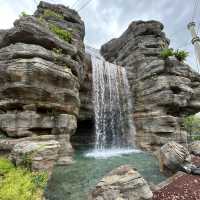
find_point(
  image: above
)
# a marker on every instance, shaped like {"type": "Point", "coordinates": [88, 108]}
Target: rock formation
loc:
{"type": "Point", "coordinates": [174, 157]}
{"type": "Point", "coordinates": [163, 91]}
{"type": "Point", "coordinates": [123, 183]}
{"type": "Point", "coordinates": [194, 148]}
{"type": "Point", "coordinates": [41, 68]}
{"type": "Point", "coordinates": [85, 134]}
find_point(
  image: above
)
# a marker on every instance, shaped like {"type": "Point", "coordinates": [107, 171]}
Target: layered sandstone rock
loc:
{"type": "Point", "coordinates": [85, 134]}
{"type": "Point", "coordinates": [123, 183]}
{"type": "Point", "coordinates": [194, 148]}
{"type": "Point", "coordinates": [163, 91]}
{"type": "Point", "coordinates": [40, 76]}
{"type": "Point", "coordinates": [174, 157]}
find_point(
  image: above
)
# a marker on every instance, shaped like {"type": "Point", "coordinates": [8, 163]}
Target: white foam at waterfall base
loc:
{"type": "Point", "coordinates": [107, 153]}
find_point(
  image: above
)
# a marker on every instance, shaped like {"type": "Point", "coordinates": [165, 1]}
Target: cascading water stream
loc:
{"type": "Point", "coordinates": [113, 109]}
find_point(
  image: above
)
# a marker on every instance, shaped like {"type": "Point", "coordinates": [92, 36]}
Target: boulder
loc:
{"type": "Point", "coordinates": [123, 183]}
{"type": "Point", "coordinates": [174, 157]}
{"type": "Point", "coordinates": [194, 148]}
{"type": "Point", "coordinates": [36, 155]}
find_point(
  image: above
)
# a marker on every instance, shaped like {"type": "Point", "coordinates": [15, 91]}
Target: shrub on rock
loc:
{"type": "Point", "coordinates": [181, 55]}
{"type": "Point", "coordinates": [166, 53]}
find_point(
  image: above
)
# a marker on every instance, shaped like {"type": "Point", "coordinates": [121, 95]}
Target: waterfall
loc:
{"type": "Point", "coordinates": [112, 106]}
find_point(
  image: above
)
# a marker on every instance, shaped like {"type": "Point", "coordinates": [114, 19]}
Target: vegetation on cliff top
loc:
{"type": "Point", "coordinates": [20, 183]}
{"type": "Point", "coordinates": [166, 53]}
{"type": "Point", "coordinates": [23, 14]}
{"type": "Point", "coordinates": [180, 55]}
{"type": "Point", "coordinates": [51, 13]}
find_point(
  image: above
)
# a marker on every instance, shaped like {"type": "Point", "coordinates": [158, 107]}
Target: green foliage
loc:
{"type": "Point", "coordinates": [192, 126]}
{"type": "Point", "coordinates": [17, 184]}
{"type": "Point", "coordinates": [196, 138]}
{"type": "Point", "coordinates": [181, 55]}
{"type": "Point", "coordinates": [61, 33]}
{"type": "Point", "coordinates": [27, 160]}
{"type": "Point", "coordinates": [20, 184]}
{"type": "Point", "coordinates": [166, 53]}
{"type": "Point", "coordinates": [23, 14]}
{"type": "Point", "coordinates": [40, 179]}
{"type": "Point", "coordinates": [41, 19]}
{"type": "Point", "coordinates": [51, 13]}
{"type": "Point", "coordinates": [5, 166]}
{"type": "Point", "coordinates": [57, 51]}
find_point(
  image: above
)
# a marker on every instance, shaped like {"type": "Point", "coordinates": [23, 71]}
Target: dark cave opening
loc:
{"type": "Point", "coordinates": [175, 89]}
{"type": "Point", "coordinates": [84, 135]}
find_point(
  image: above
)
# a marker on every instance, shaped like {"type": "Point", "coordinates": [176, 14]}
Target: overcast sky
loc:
{"type": "Point", "coordinates": [105, 19]}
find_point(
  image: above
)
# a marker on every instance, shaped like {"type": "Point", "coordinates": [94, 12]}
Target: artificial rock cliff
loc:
{"type": "Point", "coordinates": [41, 69]}
{"type": "Point", "coordinates": [163, 91]}
{"type": "Point", "coordinates": [46, 86]}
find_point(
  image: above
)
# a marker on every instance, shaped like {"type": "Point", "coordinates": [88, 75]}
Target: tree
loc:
{"type": "Point", "coordinates": [192, 126]}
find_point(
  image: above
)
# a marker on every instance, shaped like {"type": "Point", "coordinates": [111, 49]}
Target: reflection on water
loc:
{"type": "Point", "coordinates": [75, 181]}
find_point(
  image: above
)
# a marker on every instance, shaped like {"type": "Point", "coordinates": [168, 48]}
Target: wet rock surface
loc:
{"type": "Point", "coordinates": [163, 91]}
{"type": "Point", "coordinates": [40, 75]}
{"type": "Point", "coordinates": [123, 183]}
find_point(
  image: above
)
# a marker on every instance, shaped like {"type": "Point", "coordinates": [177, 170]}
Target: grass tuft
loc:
{"type": "Point", "coordinates": [51, 13]}
{"type": "Point", "coordinates": [61, 33]}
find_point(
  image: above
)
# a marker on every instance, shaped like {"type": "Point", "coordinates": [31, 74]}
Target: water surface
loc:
{"type": "Point", "coordinates": [74, 182]}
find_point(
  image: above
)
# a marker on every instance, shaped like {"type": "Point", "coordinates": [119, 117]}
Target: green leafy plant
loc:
{"type": "Point", "coordinates": [20, 183]}
{"type": "Point", "coordinates": [61, 33]}
{"type": "Point", "coordinates": [166, 53]}
{"type": "Point", "coordinates": [58, 51]}
{"type": "Point", "coordinates": [17, 184]}
{"type": "Point", "coordinates": [51, 13]}
{"type": "Point", "coordinates": [181, 55]}
{"type": "Point", "coordinates": [196, 138]}
{"type": "Point", "coordinates": [192, 126]}
{"type": "Point", "coordinates": [27, 160]}
{"type": "Point", "coordinates": [5, 166]}
{"type": "Point", "coordinates": [40, 179]}
{"type": "Point", "coordinates": [41, 19]}
{"type": "Point", "coordinates": [23, 14]}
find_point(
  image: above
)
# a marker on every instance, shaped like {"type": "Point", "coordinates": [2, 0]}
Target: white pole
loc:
{"type": "Point", "coordinates": [195, 39]}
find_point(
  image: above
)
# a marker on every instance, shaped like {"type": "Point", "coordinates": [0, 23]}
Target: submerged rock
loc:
{"type": "Point", "coordinates": [123, 183]}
